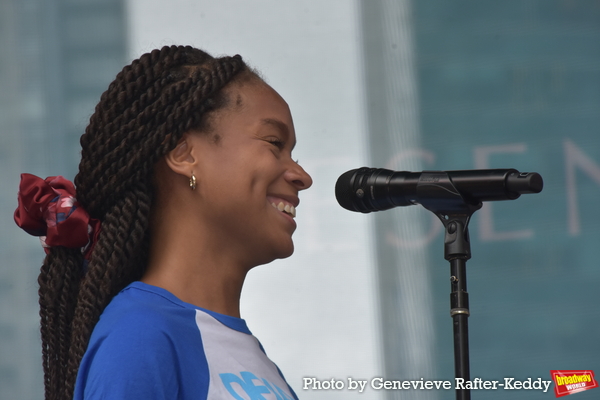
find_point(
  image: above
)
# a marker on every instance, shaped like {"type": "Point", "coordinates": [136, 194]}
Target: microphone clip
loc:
{"type": "Point", "coordinates": [438, 194]}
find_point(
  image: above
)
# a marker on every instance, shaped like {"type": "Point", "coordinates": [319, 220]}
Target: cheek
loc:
{"type": "Point", "coordinates": [242, 176]}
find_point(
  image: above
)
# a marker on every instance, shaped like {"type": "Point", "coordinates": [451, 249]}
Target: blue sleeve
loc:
{"type": "Point", "coordinates": [143, 359]}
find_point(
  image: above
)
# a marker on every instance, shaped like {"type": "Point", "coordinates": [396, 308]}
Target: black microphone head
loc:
{"type": "Point", "coordinates": [344, 189]}
{"type": "Point", "coordinates": [368, 189]}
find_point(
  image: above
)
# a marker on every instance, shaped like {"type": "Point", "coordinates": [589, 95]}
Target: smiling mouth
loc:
{"type": "Point", "coordinates": [285, 208]}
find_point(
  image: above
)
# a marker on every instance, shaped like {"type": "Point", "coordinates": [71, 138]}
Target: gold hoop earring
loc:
{"type": "Point", "coordinates": [193, 182]}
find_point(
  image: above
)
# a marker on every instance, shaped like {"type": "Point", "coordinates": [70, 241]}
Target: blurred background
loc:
{"type": "Point", "coordinates": [405, 85]}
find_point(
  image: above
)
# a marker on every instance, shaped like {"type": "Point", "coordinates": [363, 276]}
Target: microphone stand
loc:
{"type": "Point", "coordinates": [371, 189]}
{"type": "Point", "coordinates": [441, 197]}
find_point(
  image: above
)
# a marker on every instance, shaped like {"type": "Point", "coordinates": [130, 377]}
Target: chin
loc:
{"type": "Point", "coordinates": [284, 250]}
{"type": "Point", "coordinates": [288, 253]}
{"type": "Point", "coordinates": [279, 253]}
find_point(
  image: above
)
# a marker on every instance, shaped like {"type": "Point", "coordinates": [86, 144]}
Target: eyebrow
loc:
{"type": "Point", "coordinates": [280, 127]}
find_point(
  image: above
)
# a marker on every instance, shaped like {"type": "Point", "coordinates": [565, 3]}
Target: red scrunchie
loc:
{"type": "Point", "coordinates": [47, 208]}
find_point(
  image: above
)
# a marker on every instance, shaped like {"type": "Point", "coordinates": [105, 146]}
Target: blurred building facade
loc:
{"type": "Point", "coordinates": [58, 57]}
{"type": "Point", "coordinates": [454, 85]}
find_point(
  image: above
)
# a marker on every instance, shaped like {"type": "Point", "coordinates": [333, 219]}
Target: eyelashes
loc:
{"type": "Point", "coordinates": [280, 144]}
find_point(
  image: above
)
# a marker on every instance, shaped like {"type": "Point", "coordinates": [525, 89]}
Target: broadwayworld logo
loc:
{"type": "Point", "coordinates": [572, 381]}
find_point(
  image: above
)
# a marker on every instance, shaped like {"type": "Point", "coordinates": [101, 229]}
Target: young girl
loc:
{"type": "Point", "coordinates": [186, 182]}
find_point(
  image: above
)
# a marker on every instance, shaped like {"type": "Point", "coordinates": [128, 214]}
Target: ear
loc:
{"type": "Point", "coordinates": [181, 159]}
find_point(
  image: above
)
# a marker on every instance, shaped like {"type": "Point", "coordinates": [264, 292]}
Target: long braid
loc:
{"type": "Point", "coordinates": [115, 248]}
{"type": "Point", "coordinates": [141, 117]}
{"type": "Point", "coordinates": [46, 315]}
{"type": "Point", "coordinates": [59, 279]}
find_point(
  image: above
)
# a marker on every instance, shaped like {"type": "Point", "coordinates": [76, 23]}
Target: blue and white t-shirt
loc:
{"type": "Point", "coordinates": [150, 345]}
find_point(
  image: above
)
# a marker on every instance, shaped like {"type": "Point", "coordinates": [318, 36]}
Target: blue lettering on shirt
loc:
{"type": "Point", "coordinates": [245, 382]}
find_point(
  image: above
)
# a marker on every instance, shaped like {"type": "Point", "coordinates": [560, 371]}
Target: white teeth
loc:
{"type": "Point", "coordinates": [288, 209]}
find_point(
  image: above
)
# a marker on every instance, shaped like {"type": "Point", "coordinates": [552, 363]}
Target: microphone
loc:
{"type": "Point", "coordinates": [376, 189]}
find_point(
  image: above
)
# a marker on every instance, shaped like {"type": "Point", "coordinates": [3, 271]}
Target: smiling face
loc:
{"type": "Point", "coordinates": [248, 183]}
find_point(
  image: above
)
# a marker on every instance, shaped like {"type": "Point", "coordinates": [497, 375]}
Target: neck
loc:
{"type": "Point", "coordinates": [188, 264]}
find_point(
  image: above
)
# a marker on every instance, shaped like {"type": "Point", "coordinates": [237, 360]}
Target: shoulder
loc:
{"type": "Point", "coordinates": [142, 315]}
{"type": "Point", "coordinates": [144, 346]}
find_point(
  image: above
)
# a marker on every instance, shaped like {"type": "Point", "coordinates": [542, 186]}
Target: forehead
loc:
{"type": "Point", "coordinates": [257, 96]}
{"type": "Point", "coordinates": [256, 103]}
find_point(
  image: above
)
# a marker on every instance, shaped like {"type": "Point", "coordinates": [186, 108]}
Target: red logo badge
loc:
{"type": "Point", "coordinates": [572, 381]}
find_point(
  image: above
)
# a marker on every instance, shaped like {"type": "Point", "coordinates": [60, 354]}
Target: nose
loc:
{"type": "Point", "coordinates": [297, 176]}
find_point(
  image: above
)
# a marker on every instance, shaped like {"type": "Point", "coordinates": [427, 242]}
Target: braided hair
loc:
{"type": "Point", "coordinates": [141, 117]}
